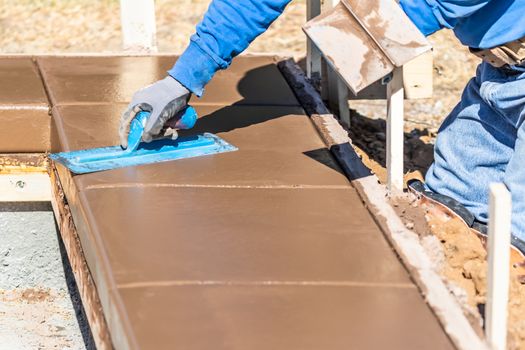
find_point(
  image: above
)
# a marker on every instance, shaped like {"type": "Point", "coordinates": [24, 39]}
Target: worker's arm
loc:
{"type": "Point", "coordinates": [431, 15]}
{"type": "Point", "coordinates": [228, 27]}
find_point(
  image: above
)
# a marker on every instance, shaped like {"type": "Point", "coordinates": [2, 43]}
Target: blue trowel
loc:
{"type": "Point", "coordinates": [139, 153]}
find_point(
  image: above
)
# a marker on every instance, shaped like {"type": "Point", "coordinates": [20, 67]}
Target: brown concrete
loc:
{"type": "Point", "coordinates": [234, 232]}
{"type": "Point", "coordinates": [26, 130]}
{"type": "Point", "coordinates": [20, 84]}
{"type": "Point", "coordinates": [75, 80]}
{"type": "Point", "coordinates": [281, 317]}
{"type": "Point", "coordinates": [265, 247]}
{"type": "Point", "coordinates": [275, 148]}
{"type": "Point", "coordinates": [24, 117]}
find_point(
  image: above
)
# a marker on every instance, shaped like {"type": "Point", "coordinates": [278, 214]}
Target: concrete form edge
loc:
{"type": "Point", "coordinates": [24, 178]}
{"type": "Point", "coordinates": [405, 242]}
{"type": "Point", "coordinates": [86, 285]}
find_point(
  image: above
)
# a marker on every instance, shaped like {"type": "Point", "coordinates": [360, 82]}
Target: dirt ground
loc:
{"type": "Point", "coordinates": [40, 306]}
{"type": "Point", "coordinates": [52, 26]}
{"type": "Point", "coordinates": [56, 26]}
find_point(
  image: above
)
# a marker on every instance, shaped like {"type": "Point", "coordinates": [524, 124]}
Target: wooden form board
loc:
{"type": "Point", "coordinates": [24, 178]}
{"type": "Point", "coordinates": [85, 283]}
{"type": "Point", "coordinates": [22, 187]}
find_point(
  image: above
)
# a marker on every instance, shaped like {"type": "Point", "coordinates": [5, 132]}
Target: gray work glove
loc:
{"type": "Point", "coordinates": [163, 99]}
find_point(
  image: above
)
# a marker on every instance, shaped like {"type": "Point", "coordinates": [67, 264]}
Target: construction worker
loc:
{"type": "Point", "coordinates": [481, 141]}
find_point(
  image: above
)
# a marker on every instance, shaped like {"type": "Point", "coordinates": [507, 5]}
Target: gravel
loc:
{"type": "Point", "coordinates": [39, 303]}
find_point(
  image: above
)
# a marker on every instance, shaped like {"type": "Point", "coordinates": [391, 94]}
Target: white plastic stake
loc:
{"type": "Point", "coordinates": [499, 266]}
{"type": "Point", "coordinates": [342, 101]}
{"type": "Point", "coordinates": [139, 32]}
{"type": "Point", "coordinates": [313, 55]}
{"type": "Point", "coordinates": [337, 93]}
{"type": "Point", "coordinates": [395, 133]}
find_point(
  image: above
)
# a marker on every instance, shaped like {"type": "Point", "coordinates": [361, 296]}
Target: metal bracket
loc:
{"type": "Point", "coordinates": [364, 40]}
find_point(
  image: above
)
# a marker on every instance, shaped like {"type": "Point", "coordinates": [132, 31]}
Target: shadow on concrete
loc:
{"type": "Point", "coordinates": [323, 156]}
{"type": "Point", "coordinates": [254, 87]}
{"type": "Point", "coordinates": [229, 119]}
{"type": "Point", "coordinates": [254, 84]}
{"type": "Point", "coordinates": [25, 206]}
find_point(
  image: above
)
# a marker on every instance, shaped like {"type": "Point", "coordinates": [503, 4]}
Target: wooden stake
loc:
{"type": "Point", "coordinates": [395, 133]}
{"type": "Point", "coordinates": [498, 266]}
{"type": "Point", "coordinates": [138, 25]}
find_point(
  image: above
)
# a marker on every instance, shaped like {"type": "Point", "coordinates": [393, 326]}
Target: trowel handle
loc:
{"type": "Point", "coordinates": [136, 129]}
{"type": "Point", "coordinates": [188, 119]}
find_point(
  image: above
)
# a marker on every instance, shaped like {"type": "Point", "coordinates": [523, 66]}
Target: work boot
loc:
{"type": "Point", "coordinates": [446, 208]}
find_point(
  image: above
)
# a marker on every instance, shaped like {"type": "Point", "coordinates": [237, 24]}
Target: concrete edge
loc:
{"type": "Point", "coordinates": [86, 285]}
{"type": "Point", "coordinates": [405, 242]}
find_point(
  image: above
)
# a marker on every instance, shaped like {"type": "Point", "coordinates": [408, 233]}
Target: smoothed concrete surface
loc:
{"type": "Point", "coordinates": [266, 247]}
{"type": "Point", "coordinates": [39, 304]}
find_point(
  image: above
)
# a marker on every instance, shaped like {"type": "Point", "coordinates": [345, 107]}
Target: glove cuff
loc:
{"type": "Point", "coordinates": [175, 86]}
{"type": "Point", "coordinates": [194, 69]}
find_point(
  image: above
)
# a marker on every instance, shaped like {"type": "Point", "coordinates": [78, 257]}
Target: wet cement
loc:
{"type": "Point", "coordinates": [75, 80]}
{"type": "Point", "coordinates": [25, 131]}
{"type": "Point", "coordinates": [20, 83]}
{"type": "Point", "coordinates": [24, 117]}
{"type": "Point", "coordinates": [307, 317]}
{"type": "Point", "coordinates": [275, 148]}
{"type": "Point", "coordinates": [269, 246]}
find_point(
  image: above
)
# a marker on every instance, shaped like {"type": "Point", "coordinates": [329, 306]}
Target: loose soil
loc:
{"type": "Point", "coordinates": [461, 259]}
{"type": "Point", "coordinates": [458, 253]}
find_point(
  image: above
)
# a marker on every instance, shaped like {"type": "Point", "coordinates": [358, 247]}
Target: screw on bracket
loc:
{"type": "Point", "coordinates": [387, 79]}
{"type": "Point", "coordinates": [20, 184]}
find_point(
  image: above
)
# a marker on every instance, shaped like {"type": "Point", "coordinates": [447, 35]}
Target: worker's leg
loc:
{"type": "Point", "coordinates": [476, 141]}
{"type": "Point", "coordinates": [515, 172]}
{"type": "Point", "coordinates": [515, 181]}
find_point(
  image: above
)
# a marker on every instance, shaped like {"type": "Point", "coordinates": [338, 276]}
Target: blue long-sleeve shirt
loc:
{"type": "Point", "coordinates": [229, 26]}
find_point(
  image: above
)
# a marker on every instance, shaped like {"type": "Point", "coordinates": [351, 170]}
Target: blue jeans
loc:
{"type": "Point", "coordinates": [483, 141]}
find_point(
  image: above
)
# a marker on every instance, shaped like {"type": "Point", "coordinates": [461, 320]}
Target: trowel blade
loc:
{"type": "Point", "coordinates": [162, 150]}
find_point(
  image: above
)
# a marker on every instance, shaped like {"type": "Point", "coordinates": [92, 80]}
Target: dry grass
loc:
{"type": "Point", "coordinates": [54, 26]}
